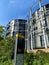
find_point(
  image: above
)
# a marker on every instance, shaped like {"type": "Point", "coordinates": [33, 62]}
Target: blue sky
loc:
{"type": "Point", "coordinates": [15, 9]}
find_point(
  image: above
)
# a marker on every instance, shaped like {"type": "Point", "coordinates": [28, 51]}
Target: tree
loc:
{"type": "Point", "coordinates": [1, 30]}
{"type": "Point", "coordinates": [6, 49]}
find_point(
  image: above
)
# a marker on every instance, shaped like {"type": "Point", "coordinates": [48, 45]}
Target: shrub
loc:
{"type": "Point", "coordinates": [40, 58]}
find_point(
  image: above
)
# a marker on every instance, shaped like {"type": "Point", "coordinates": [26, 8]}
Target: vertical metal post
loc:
{"type": "Point", "coordinates": [42, 23]}
{"type": "Point", "coordinates": [15, 52]}
{"type": "Point", "coordinates": [30, 15]}
{"type": "Point", "coordinates": [31, 29]}
{"type": "Point", "coordinates": [19, 48]}
{"type": "Point", "coordinates": [28, 44]}
{"type": "Point", "coordinates": [25, 35]}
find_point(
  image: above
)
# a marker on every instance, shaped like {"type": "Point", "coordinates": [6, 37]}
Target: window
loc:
{"type": "Point", "coordinates": [47, 6]}
{"type": "Point", "coordinates": [35, 28]}
{"type": "Point", "coordinates": [47, 9]}
{"type": "Point", "coordinates": [38, 13]}
{"type": "Point", "coordinates": [8, 27]}
{"type": "Point", "coordinates": [42, 40]}
{"type": "Point", "coordinates": [48, 38]}
{"type": "Point", "coordinates": [34, 21]}
{"type": "Point", "coordinates": [14, 33]}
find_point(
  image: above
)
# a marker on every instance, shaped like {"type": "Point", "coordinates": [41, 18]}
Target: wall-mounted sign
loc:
{"type": "Point", "coordinates": [20, 36]}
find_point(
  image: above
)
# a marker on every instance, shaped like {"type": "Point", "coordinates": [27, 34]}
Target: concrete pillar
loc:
{"type": "Point", "coordinates": [15, 52]}
{"type": "Point", "coordinates": [38, 42]}
{"type": "Point", "coordinates": [44, 38]}
{"type": "Point", "coordinates": [47, 40]}
{"type": "Point", "coordinates": [28, 45]}
{"type": "Point", "coordinates": [31, 42]}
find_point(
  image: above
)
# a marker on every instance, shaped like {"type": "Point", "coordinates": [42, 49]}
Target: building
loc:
{"type": "Point", "coordinates": [36, 32]}
{"type": "Point", "coordinates": [39, 29]}
{"type": "Point", "coordinates": [16, 26]}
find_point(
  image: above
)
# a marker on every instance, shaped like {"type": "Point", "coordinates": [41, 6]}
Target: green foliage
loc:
{"type": "Point", "coordinates": [1, 38]}
{"type": "Point", "coordinates": [1, 30]}
{"type": "Point", "coordinates": [9, 62]}
{"type": "Point", "coordinates": [6, 50]}
{"type": "Point", "coordinates": [29, 58]}
{"type": "Point", "coordinates": [40, 58]}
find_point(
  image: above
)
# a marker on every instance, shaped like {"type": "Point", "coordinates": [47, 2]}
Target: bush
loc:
{"type": "Point", "coordinates": [9, 62]}
{"type": "Point", "coordinates": [6, 50]}
{"type": "Point", "coordinates": [40, 58]}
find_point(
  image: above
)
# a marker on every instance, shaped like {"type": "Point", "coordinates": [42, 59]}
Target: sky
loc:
{"type": "Point", "coordinates": [16, 9]}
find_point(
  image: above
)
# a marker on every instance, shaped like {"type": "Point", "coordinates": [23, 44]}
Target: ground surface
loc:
{"type": "Point", "coordinates": [35, 50]}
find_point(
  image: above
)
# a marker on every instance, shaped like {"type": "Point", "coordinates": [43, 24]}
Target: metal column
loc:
{"type": "Point", "coordinates": [31, 29]}
{"type": "Point", "coordinates": [42, 23]}
{"type": "Point", "coordinates": [15, 52]}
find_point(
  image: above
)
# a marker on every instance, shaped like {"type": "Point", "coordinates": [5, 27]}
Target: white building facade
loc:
{"type": "Point", "coordinates": [15, 26]}
{"type": "Point", "coordinates": [39, 29]}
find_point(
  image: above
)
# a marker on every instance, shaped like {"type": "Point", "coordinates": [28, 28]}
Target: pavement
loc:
{"type": "Point", "coordinates": [35, 50]}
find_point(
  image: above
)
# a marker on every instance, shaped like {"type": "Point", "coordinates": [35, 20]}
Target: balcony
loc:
{"type": "Point", "coordinates": [47, 12]}
{"type": "Point", "coordinates": [47, 30]}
